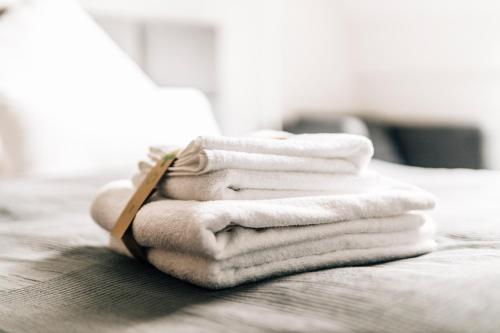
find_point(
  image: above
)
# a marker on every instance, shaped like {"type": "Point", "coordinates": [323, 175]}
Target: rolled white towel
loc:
{"type": "Point", "coordinates": [219, 244]}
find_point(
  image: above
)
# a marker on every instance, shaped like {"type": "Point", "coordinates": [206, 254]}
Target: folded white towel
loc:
{"type": "Point", "coordinates": [220, 244]}
{"type": "Point", "coordinates": [331, 153]}
{"type": "Point", "coordinates": [224, 168]}
{"type": "Point", "coordinates": [240, 184]}
{"type": "Point", "coordinates": [224, 274]}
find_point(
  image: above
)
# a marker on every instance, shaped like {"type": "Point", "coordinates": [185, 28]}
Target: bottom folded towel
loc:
{"type": "Point", "coordinates": [349, 250]}
{"type": "Point", "coordinates": [219, 244]}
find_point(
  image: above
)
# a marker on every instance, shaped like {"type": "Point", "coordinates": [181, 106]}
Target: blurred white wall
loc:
{"type": "Point", "coordinates": [429, 61]}
{"type": "Point", "coordinates": [317, 57]}
{"type": "Point", "coordinates": [246, 58]}
{"type": "Point", "coordinates": [425, 61]}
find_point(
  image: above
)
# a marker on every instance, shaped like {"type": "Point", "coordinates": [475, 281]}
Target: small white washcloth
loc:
{"type": "Point", "coordinates": [218, 244]}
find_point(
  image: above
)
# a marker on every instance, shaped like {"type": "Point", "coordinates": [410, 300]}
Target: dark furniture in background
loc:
{"type": "Point", "coordinates": [417, 145]}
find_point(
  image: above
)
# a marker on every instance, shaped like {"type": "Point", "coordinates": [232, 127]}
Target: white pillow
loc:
{"type": "Point", "coordinates": [82, 104]}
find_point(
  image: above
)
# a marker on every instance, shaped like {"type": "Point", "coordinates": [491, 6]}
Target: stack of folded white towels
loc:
{"type": "Point", "coordinates": [235, 210]}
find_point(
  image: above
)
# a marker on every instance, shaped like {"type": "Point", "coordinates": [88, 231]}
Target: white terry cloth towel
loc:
{"type": "Point", "coordinates": [225, 168]}
{"type": "Point", "coordinates": [329, 153]}
{"type": "Point", "coordinates": [219, 244]}
{"type": "Point", "coordinates": [238, 184]}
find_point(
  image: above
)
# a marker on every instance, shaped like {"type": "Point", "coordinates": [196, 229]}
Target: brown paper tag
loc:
{"type": "Point", "coordinates": [123, 226]}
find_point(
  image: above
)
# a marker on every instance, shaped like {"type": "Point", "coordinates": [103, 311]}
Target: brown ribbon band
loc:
{"type": "Point", "coordinates": [123, 227]}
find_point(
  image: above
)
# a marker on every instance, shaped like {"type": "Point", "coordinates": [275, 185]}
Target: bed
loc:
{"type": "Point", "coordinates": [57, 275]}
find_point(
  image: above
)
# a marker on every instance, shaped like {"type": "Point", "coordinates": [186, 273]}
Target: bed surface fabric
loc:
{"type": "Point", "coordinates": [57, 275]}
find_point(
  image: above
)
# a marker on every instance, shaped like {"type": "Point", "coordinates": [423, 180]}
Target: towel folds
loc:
{"type": "Point", "coordinates": [218, 244]}
{"type": "Point", "coordinates": [332, 153]}
{"type": "Point", "coordinates": [240, 184]}
{"type": "Point", "coordinates": [235, 210]}
{"type": "Point", "coordinates": [222, 168]}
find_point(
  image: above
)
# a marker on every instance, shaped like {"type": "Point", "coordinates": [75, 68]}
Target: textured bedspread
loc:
{"type": "Point", "coordinates": [56, 273]}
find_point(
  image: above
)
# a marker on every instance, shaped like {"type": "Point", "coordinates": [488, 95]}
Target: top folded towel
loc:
{"type": "Point", "coordinates": [327, 153]}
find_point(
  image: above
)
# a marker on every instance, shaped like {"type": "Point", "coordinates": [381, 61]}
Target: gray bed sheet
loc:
{"type": "Point", "coordinates": [56, 274]}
